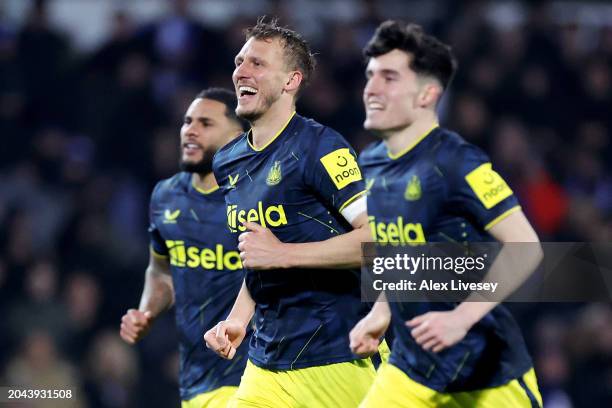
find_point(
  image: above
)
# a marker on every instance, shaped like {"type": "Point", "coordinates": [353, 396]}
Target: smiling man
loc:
{"type": "Point", "coordinates": [466, 355]}
{"type": "Point", "coordinates": [193, 263]}
{"type": "Point", "coordinates": [295, 194]}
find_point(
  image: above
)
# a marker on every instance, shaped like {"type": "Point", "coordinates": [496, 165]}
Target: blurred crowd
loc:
{"type": "Point", "coordinates": [85, 136]}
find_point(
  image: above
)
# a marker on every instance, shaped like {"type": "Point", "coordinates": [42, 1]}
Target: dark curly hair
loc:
{"type": "Point", "coordinates": [430, 56]}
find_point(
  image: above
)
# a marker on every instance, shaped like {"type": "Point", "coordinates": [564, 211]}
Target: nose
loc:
{"type": "Point", "coordinates": [240, 72]}
{"type": "Point", "coordinates": [189, 129]}
{"type": "Point", "coordinates": [372, 87]}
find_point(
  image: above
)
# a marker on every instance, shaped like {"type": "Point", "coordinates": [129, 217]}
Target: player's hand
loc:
{"type": "Point", "coordinates": [135, 325]}
{"type": "Point", "coordinates": [225, 338]}
{"type": "Point", "coordinates": [365, 336]}
{"type": "Point", "coordinates": [437, 331]}
{"type": "Point", "coordinates": [260, 249]}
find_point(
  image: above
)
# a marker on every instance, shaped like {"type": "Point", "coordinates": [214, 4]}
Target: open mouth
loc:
{"type": "Point", "coordinates": [246, 91]}
{"type": "Point", "coordinates": [375, 106]}
{"type": "Point", "coordinates": [191, 148]}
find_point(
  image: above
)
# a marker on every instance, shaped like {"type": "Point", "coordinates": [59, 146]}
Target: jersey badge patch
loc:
{"type": "Point", "coordinates": [274, 175]}
{"type": "Point", "coordinates": [413, 189]}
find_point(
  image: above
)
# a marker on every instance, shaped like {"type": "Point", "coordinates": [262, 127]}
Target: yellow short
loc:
{"type": "Point", "coordinates": [334, 385]}
{"type": "Point", "coordinates": [384, 352]}
{"type": "Point", "coordinates": [218, 398]}
{"type": "Point", "coordinates": [394, 389]}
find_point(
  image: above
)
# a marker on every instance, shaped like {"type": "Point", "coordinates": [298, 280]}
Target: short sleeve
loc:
{"type": "Point", "coordinates": [477, 188]}
{"type": "Point", "coordinates": [156, 242]}
{"type": "Point", "coordinates": [332, 171]}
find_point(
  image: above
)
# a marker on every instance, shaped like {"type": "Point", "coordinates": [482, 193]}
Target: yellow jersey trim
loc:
{"type": "Point", "coordinates": [351, 200]}
{"type": "Point", "coordinates": [201, 190]}
{"type": "Point", "coordinates": [156, 255]}
{"type": "Point", "coordinates": [499, 218]}
{"type": "Point", "coordinates": [271, 140]}
{"type": "Point", "coordinates": [409, 148]}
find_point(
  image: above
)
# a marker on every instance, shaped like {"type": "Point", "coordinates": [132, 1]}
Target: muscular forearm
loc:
{"type": "Point", "coordinates": [517, 260]}
{"type": "Point", "coordinates": [158, 293]}
{"type": "Point", "coordinates": [244, 306]}
{"type": "Point", "coordinates": [341, 252]}
{"type": "Point", "coordinates": [513, 265]}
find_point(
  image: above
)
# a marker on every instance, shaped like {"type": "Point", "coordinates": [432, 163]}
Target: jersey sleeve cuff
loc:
{"type": "Point", "coordinates": [353, 209]}
{"type": "Point", "coordinates": [351, 200]}
{"type": "Point", "coordinates": [501, 217]}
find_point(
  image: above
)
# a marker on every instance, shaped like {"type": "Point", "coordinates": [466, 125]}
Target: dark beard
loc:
{"type": "Point", "coordinates": [203, 166]}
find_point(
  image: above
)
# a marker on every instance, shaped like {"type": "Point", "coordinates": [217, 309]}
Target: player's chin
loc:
{"type": "Point", "coordinates": [373, 125]}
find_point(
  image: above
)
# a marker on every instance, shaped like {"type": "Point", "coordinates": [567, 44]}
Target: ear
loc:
{"type": "Point", "coordinates": [430, 95]}
{"type": "Point", "coordinates": [294, 81]}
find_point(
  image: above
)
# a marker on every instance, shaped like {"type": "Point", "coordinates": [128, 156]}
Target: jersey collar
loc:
{"type": "Point", "coordinates": [271, 140]}
{"type": "Point", "coordinates": [201, 190]}
{"type": "Point", "coordinates": [412, 146]}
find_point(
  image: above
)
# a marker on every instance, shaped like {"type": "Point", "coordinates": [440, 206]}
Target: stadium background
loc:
{"type": "Point", "coordinates": [92, 94]}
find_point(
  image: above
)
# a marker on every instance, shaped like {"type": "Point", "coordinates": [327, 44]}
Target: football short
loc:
{"type": "Point", "coordinates": [392, 388]}
{"type": "Point", "coordinates": [334, 385]}
{"type": "Point", "coordinates": [218, 398]}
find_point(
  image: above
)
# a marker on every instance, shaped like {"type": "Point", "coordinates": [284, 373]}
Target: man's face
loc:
{"type": "Point", "coordinates": [259, 77]}
{"type": "Point", "coordinates": [390, 94]}
{"type": "Point", "coordinates": [205, 129]}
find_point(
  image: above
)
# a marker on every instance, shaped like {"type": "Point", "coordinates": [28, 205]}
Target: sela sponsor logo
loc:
{"type": "Point", "coordinates": [341, 167]}
{"type": "Point", "coordinates": [206, 258]}
{"type": "Point", "coordinates": [398, 232]}
{"type": "Point", "coordinates": [270, 216]}
{"type": "Point", "coordinates": [171, 216]}
{"type": "Point", "coordinates": [488, 185]}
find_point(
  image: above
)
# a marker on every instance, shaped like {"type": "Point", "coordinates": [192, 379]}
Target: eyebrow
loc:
{"type": "Point", "coordinates": [203, 119]}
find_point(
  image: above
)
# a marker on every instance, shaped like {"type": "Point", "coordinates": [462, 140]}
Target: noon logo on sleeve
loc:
{"type": "Point", "coordinates": [341, 167]}
{"type": "Point", "coordinates": [488, 185]}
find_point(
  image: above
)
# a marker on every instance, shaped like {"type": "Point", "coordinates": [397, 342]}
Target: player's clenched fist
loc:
{"type": "Point", "coordinates": [225, 338]}
{"type": "Point", "coordinates": [365, 336]}
{"type": "Point", "coordinates": [135, 325]}
{"type": "Point", "coordinates": [260, 249]}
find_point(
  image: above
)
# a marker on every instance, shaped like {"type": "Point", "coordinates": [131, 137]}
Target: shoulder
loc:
{"type": "Point", "coordinates": [170, 186]}
{"type": "Point", "coordinates": [228, 151]}
{"type": "Point", "coordinates": [313, 133]}
{"type": "Point", "coordinates": [373, 154]}
{"type": "Point", "coordinates": [453, 152]}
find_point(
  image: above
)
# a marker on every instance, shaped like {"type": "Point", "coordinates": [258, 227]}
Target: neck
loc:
{"type": "Point", "coordinates": [204, 181]}
{"type": "Point", "coordinates": [270, 123]}
{"type": "Point", "coordinates": [401, 139]}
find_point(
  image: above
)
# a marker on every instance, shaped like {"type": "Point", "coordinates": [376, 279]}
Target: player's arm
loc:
{"type": "Point", "coordinates": [365, 336]}
{"type": "Point", "coordinates": [260, 249]}
{"type": "Point", "coordinates": [226, 336]}
{"type": "Point", "coordinates": [514, 264]}
{"type": "Point", "coordinates": [157, 296]}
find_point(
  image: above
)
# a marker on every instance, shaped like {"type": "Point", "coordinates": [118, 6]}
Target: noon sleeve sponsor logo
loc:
{"type": "Point", "coordinates": [341, 167]}
{"type": "Point", "coordinates": [207, 258]}
{"type": "Point", "coordinates": [488, 185]}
